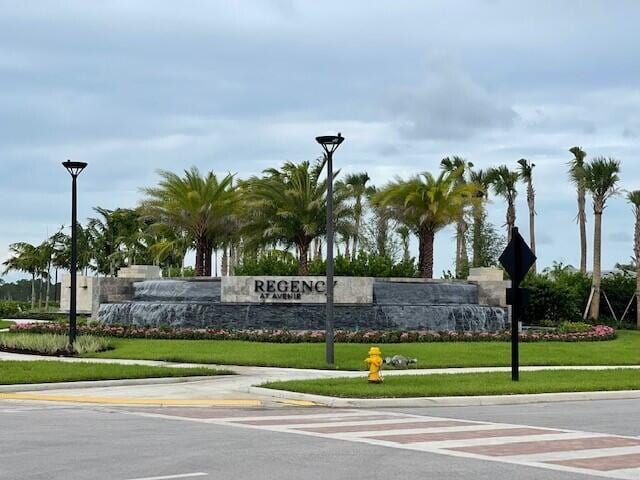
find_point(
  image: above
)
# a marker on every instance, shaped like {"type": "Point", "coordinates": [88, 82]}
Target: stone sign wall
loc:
{"type": "Point", "coordinates": [303, 289]}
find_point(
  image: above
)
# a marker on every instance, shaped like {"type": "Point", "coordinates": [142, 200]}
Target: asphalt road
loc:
{"type": "Point", "coordinates": [49, 442]}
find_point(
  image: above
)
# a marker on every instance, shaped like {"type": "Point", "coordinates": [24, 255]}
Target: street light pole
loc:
{"type": "Point", "coordinates": [329, 145]}
{"type": "Point", "coordinates": [74, 169]}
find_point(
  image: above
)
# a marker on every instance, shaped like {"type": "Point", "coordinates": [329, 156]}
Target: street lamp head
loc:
{"type": "Point", "coordinates": [330, 142]}
{"type": "Point", "coordinates": [74, 168]}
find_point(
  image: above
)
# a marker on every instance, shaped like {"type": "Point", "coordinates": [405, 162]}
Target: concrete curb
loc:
{"type": "Point", "coordinates": [481, 400]}
{"type": "Point", "coordinates": [36, 387]}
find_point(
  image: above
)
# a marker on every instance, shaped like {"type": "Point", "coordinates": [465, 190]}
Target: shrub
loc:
{"type": "Point", "coordinates": [573, 327]}
{"type": "Point", "coordinates": [596, 333]}
{"type": "Point", "coordinates": [556, 295]}
{"type": "Point", "coordinates": [619, 288]}
{"type": "Point", "coordinates": [52, 343]}
{"type": "Point", "coordinates": [364, 265]}
{"type": "Point", "coordinates": [10, 308]}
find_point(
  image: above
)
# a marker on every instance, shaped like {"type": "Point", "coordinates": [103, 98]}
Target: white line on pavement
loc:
{"type": "Point", "coordinates": [167, 477]}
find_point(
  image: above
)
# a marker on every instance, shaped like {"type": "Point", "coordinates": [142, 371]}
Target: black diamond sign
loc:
{"type": "Point", "coordinates": [517, 258]}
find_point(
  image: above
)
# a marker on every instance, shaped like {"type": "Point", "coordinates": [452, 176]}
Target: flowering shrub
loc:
{"type": "Point", "coordinates": [596, 333]}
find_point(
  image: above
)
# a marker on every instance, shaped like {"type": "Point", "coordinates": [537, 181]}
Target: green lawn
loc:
{"type": "Point", "coordinates": [468, 384]}
{"type": "Point", "coordinates": [625, 350]}
{"type": "Point", "coordinates": [14, 372]}
{"type": "Point", "coordinates": [5, 324]}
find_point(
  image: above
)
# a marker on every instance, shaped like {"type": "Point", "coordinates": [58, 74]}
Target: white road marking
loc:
{"type": "Point", "coordinates": [441, 447]}
{"type": "Point", "coordinates": [168, 477]}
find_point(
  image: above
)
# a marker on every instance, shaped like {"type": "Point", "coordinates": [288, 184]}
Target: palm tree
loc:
{"type": "Point", "coordinates": [481, 180]}
{"type": "Point", "coordinates": [526, 174]}
{"type": "Point", "coordinates": [380, 229]}
{"type": "Point", "coordinates": [355, 187]}
{"type": "Point", "coordinates": [404, 234]}
{"type": "Point", "coordinates": [45, 254]}
{"type": "Point", "coordinates": [634, 199]}
{"type": "Point", "coordinates": [200, 205]}
{"type": "Point", "coordinates": [461, 167]}
{"type": "Point", "coordinates": [576, 172]}
{"type": "Point", "coordinates": [288, 207]}
{"type": "Point", "coordinates": [426, 204]}
{"type": "Point", "coordinates": [600, 179]}
{"type": "Point", "coordinates": [24, 258]}
{"type": "Point", "coordinates": [504, 182]}
{"type": "Point", "coordinates": [169, 244]}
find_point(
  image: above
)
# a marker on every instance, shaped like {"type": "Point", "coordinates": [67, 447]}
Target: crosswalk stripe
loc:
{"type": "Point", "coordinates": [597, 454]}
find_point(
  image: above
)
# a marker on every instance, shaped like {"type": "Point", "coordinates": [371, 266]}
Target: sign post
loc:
{"type": "Point", "coordinates": [516, 259]}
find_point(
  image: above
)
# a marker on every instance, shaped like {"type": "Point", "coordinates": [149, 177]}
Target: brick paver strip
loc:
{"type": "Point", "coordinates": [444, 436]}
{"type": "Point", "coordinates": [295, 421]}
{"type": "Point", "coordinates": [522, 448]}
{"type": "Point", "coordinates": [615, 462]}
{"type": "Point", "coordinates": [387, 426]}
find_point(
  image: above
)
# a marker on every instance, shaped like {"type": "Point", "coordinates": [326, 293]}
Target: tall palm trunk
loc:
{"type": "Point", "coordinates": [347, 253]}
{"type": "Point", "coordinates": [531, 203]}
{"type": "Point", "coordinates": [356, 237]}
{"type": "Point", "coordinates": [462, 257]}
{"type": "Point", "coordinates": [382, 234]}
{"type": "Point", "coordinates": [201, 248]}
{"type": "Point", "coordinates": [594, 312]}
{"type": "Point", "coordinates": [56, 296]}
{"type": "Point", "coordinates": [477, 234]}
{"type": "Point", "coordinates": [511, 219]}
{"type": "Point", "coordinates": [48, 291]}
{"type": "Point", "coordinates": [33, 290]}
{"type": "Point", "coordinates": [582, 221]}
{"type": "Point", "coordinates": [40, 293]}
{"type": "Point", "coordinates": [427, 236]}
{"type": "Point", "coordinates": [224, 266]}
{"type": "Point", "coordinates": [303, 254]}
{"type": "Point", "coordinates": [232, 259]}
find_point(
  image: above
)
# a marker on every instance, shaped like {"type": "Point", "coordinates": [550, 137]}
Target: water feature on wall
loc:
{"type": "Point", "coordinates": [403, 305]}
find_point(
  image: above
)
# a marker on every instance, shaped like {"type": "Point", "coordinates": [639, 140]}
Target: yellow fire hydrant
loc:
{"type": "Point", "coordinates": [374, 362]}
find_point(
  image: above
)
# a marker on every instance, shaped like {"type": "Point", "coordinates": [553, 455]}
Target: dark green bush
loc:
{"type": "Point", "coordinates": [556, 295]}
{"type": "Point", "coordinates": [272, 263]}
{"type": "Point", "coordinates": [364, 265]}
{"type": "Point", "coordinates": [560, 295]}
{"type": "Point", "coordinates": [619, 288]}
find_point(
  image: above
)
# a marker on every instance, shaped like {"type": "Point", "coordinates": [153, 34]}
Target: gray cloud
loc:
{"type": "Point", "coordinates": [449, 104]}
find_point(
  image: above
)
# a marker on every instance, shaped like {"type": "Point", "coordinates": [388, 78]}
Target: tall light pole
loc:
{"type": "Point", "coordinates": [329, 145]}
{"type": "Point", "coordinates": [74, 168]}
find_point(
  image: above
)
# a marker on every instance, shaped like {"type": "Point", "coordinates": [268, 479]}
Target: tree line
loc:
{"type": "Point", "coordinates": [284, 209]}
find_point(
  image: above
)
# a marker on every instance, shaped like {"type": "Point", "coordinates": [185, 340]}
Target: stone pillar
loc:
{"type": "Point", "coordinates": [492, 289]}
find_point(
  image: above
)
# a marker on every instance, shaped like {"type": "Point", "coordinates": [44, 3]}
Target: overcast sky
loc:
{"type": "Point", "coordinates": [135, 86]}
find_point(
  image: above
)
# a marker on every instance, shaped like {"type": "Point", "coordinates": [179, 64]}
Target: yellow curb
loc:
{"type": "Point", "coordinates": [131, 400]}
{"type": "Point", "coordinates": [299, 403]}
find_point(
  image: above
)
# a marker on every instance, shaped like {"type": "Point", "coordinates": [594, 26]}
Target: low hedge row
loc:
{"type": "Point", "coordinates": [595, 333]}
{"type": "Point", "coordinates": [52, 344]}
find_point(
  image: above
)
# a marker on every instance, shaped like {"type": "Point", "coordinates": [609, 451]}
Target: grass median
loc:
{"type": "Point", "coordinates": [5, 323]}
{"type": "Point", "coordinates": [466, 384]}
{"type": "Point", "coordinates": [625, 350]}
{"type": "Point", "coordinates": [18, 372]}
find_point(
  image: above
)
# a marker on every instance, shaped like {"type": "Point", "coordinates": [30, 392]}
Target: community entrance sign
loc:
{"type": "Point", "coordinates": [302, 289]}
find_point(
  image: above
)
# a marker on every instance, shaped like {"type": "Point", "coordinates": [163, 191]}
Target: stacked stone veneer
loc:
{"type": "Point", "coordinates": [395, 304]}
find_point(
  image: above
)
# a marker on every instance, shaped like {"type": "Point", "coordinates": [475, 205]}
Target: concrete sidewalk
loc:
{"type": "Point", "coordinates": [240, 389]}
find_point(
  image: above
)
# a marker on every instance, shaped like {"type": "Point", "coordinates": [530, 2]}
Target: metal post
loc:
{"type": "Point", "coordinates": [329, 320]}
{"type": "Point", "coordinates": [516, 309]}
{"type": "Point", "coordinates": [73, 267]}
